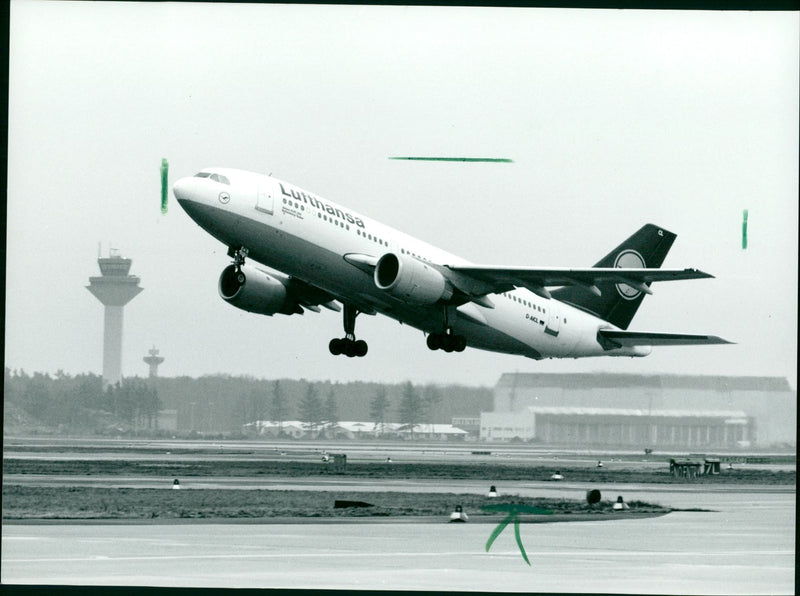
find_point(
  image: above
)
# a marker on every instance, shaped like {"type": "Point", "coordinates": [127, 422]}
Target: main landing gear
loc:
{"type": "Point", "coordinates": [348, 345]}
{"type": "Point", "coordinates": [447, 341]}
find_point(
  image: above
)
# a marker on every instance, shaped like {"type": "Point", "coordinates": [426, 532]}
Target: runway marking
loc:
{"type": "Point", "coordinates": [329, 555]}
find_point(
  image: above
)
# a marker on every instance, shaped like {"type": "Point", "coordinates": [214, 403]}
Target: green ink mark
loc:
{"type": "Point", "coordinates": [164, 176]}
{"type": "Point", "coordinates": [514, 511]}
{"type": "Point", "coordinates": [519, 543]}
{"type": "Point", "coordinates": [470, 159]}
{"type": "Point", "coordinates": [744, 229]}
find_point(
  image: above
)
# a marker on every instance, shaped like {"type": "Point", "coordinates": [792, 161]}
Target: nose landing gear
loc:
{"type": "Point", "coordinates": [239, 255]}
{"type": "Point", "coordinates": [348, 345]}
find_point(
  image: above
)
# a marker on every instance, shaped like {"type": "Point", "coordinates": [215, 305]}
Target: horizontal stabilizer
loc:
{"type": "Point", "coordinates": [614, 338]}
{"type": "Point", "coordinates": [503, 279]}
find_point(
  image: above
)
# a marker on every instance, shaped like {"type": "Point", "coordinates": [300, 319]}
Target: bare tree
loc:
{"type": "Point", "coordinates": [330, 413]}
{"type": "Point", "coordinates": [378, 409]}
{"type": "Point", "coordinates": [311, 409]}
{"type": "Point", "coordinates": [279, 407]}
{"type": "Point", "coordinates": [412, 408]}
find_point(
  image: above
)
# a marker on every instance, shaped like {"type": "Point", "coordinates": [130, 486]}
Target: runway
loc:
{"type": "Point", "coordinates": [744, 546]}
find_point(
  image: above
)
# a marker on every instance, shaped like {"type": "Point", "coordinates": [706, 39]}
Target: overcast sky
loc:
{"type": "Point", "coordinates": [613, 119]}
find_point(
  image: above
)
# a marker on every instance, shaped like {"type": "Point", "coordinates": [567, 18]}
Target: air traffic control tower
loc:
{"type": "Point", "coordinates": [153, 360]}
{"type": "Point", "coordinates": [114, 288]}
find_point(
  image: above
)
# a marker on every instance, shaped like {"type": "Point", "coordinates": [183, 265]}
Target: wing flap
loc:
{"type": "Point", "coordinates": [310, 297]}
{"type": "Point", "coordinates": [615, 338]}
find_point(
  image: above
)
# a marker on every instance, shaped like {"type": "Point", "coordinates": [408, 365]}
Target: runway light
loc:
{"type": "Point", "coordinates": [469, 159]}
{"type": "Point", "coordinates": [458, 515]}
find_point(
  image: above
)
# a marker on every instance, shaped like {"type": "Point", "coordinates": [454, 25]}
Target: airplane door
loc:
{"type": "Point", "coordinates": [265, 201]}
{"type": "Point", "coordinates": [553, 319]}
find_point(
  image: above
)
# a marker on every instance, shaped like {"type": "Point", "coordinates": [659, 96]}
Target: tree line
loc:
{"type": "Point", "coordinates": [225, 403]}
{"type": "Point", "coordinates": [79, 403]}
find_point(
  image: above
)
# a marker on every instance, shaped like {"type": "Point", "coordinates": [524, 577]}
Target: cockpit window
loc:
{"type": "Point", "coordinates": [215, 177]}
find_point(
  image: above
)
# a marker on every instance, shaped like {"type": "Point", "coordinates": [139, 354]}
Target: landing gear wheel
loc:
{"type": "Point", "coordinates": [348, 345]}
{"type": "Point", "coordinates": [434, 341]}
{"type": "Point", "coordinates": [447, 342]}
{"type": "Point", "coordinates": [336, 346]}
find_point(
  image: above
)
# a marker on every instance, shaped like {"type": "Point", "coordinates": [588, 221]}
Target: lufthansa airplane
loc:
{"type": "Point", "coordinates": [295, 251]}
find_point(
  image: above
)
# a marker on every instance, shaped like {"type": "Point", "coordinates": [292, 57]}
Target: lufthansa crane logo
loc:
{"type": "Point", "coordinates": [224, 198]}
{"type": "Point", "coordinates": [629, 259]}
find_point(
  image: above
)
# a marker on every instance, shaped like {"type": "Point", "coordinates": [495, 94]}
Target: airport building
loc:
{"type": "Point", "coordinates": [681, 411]}
{"type": "Point", "coordinates": [358, 430]}
{"type": "Point", "coordinates": [620, 427]}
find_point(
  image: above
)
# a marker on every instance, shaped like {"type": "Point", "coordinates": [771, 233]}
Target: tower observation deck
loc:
{"type": "Point", "coordinates": [114, 288]}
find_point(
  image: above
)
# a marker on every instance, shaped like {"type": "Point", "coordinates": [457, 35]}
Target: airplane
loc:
{"type": "Point", "coordinates": [295, 251]}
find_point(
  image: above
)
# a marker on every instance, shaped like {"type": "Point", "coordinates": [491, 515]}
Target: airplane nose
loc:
{"type": "Point", "coordinates": [181, 189]}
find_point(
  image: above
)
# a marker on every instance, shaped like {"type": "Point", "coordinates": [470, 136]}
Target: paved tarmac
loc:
{"type": "Point", "coordinates": [744, 546]}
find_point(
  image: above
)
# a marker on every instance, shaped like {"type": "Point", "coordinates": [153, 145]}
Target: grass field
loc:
{"type": "Point", "coordinates": [23, 502]}
{"type": "Point", "coordinates": [420, 470]}
{"type": "Point", "coordinates": [73, 464]}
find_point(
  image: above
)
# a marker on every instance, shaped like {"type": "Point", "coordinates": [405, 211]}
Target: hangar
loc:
{"type": "Point", "coordinates": [675, 410]}
{"type": "Point", "coordinates": [619, 427]}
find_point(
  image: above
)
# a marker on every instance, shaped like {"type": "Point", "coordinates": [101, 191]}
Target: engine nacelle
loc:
{"type": "Point", "coordinates": [410, 279]}
{"type": "Point", "coordinates": [254, 290]}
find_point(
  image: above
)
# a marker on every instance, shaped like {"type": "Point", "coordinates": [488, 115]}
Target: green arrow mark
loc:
{"type": "Point", "coordinates": [164, 184]}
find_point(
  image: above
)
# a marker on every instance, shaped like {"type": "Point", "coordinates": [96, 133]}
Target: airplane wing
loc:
{"type": "Point", "coordinates": [502, 279]}
{"type": "Point", "coordinates": [614, 338]}
{"type": "Point", "coordinates": [310, 297]}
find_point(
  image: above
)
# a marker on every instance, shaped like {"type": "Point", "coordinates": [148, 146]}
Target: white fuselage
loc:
{"type": "Point", "coordinates": [307, 237]}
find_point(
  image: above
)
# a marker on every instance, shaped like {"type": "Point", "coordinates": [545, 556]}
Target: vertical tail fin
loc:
{"type": "Point", "coordinates": [618, 303]}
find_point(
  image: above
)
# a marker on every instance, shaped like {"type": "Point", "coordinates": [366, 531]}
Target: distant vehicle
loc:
{"type": "Point", "coordinates": [310, 252]}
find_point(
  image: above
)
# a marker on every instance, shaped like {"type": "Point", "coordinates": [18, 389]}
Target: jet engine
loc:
{"type": "Point", "coordinates": [411, 280]}
{"type": "Point", "coordinates": [254, 290]}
